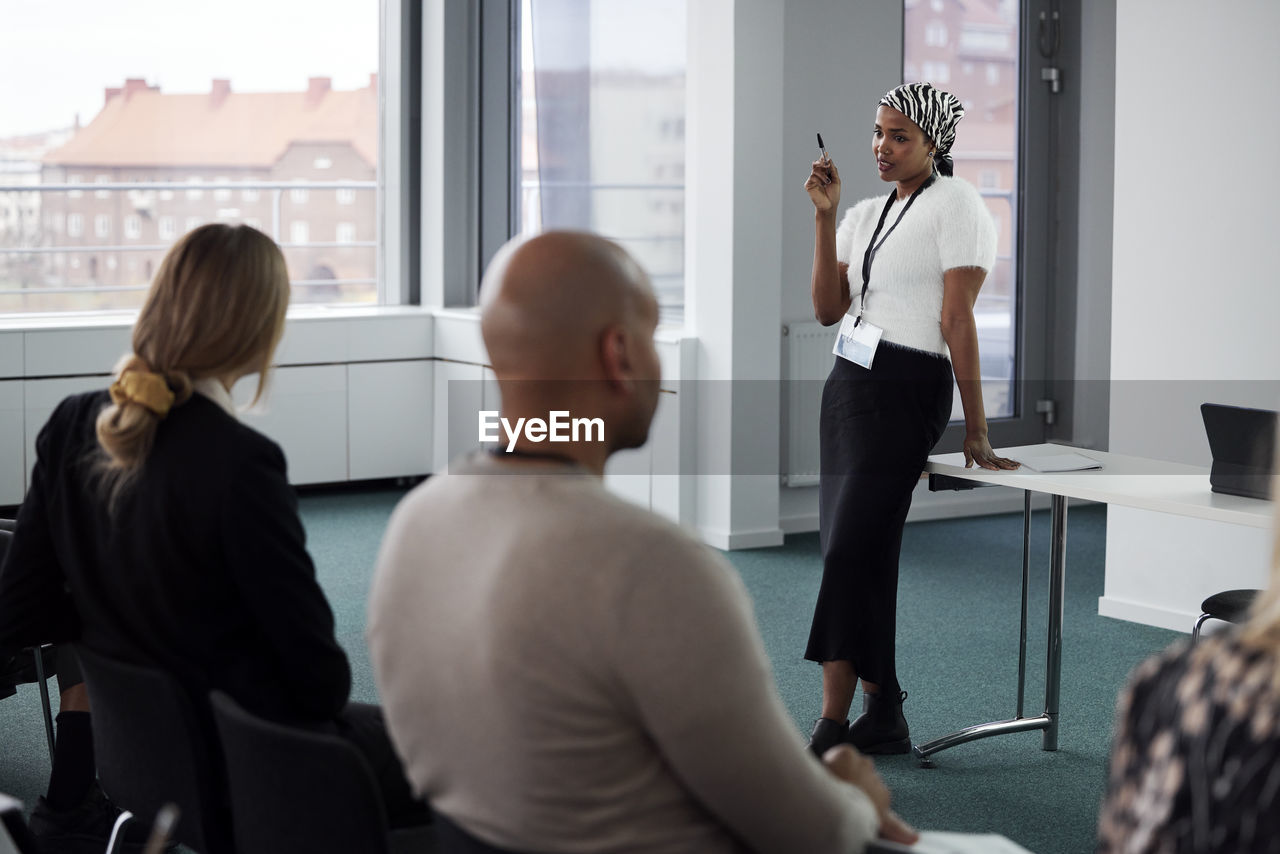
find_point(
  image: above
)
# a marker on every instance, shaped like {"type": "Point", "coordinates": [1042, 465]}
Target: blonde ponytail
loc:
{"type": "Point", "coordinates": [127, 427]}
{"type": "Point", "coordinates": [215, 309]}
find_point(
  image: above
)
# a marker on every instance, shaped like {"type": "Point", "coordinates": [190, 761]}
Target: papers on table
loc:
{"type": "Point", "coordinates": [1058, 462]}
{"type": "Point", "coordinates": [938, 842]}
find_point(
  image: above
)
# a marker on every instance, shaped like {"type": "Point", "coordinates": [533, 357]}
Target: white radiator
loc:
{"type": "Point", "coordinates": [808, 351]}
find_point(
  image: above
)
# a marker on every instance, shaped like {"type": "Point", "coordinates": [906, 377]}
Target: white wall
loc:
{"type": "Point", "coordinates": [1194, 303]}
{"type": "Point", "coordinates": [1088, 421]}
{"type": "Point", "coordinates": [840, 58]}
{"type": "Point", "coordinates": [733, 264]}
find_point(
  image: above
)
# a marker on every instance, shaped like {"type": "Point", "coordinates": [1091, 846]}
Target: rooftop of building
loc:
{"type": "Point", "coordinates": [141, 126]}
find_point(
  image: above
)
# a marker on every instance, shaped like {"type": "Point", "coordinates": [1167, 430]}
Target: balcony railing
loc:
{"type": "Point", "coordinates": [149, 189]}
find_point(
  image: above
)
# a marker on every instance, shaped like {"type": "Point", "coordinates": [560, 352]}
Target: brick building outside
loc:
{"type": "Point", "coordinates": [143, 135]}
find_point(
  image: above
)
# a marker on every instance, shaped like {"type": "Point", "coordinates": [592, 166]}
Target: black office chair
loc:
{"type": "Point", "coordinates": [31, 665]}
{"type": "Point", "coordinates": [293, 789]}
{"type": "Point", "coordinates": [1230, 606]}
{"type": "Point", "coordinates": [13, 828]}
{"type": "Point", "coordinates": [153, 748]}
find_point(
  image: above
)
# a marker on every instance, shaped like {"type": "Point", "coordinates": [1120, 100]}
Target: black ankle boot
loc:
{"type": "Point", "coordinates": [881, 728]}
{"type": "Point", "coordinates": [826, 735]}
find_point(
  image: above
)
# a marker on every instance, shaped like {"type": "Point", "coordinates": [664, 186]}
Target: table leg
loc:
{"type": "Point", "coordinates": [1026, 585]}
{"type": "Point", "coordinates": [1057, 601]}
{"type": "Point", "coordinates": [1048, 722]}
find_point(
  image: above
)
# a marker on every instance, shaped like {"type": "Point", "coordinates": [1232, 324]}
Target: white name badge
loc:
{"type": "Point", "coordinates": [857, 343]}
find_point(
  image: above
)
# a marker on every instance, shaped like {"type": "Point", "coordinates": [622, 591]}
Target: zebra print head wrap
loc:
{"type": "Point", "coordinates": [935, 111]}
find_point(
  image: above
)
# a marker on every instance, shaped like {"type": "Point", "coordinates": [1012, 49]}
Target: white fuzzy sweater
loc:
{"type": "Point", "coordinates": [949, 226]}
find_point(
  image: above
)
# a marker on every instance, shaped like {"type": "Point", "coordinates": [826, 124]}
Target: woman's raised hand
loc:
{"type": "Point", "coordinates": [823, 184]}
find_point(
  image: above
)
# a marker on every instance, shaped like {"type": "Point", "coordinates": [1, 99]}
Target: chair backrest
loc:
{"type": "Point", "coordinates": [293, 789]}
{"type": "Point", "coordinates": [152, 749]}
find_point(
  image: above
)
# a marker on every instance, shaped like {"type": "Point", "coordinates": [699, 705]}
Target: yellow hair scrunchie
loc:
{"type": "Point", "coordinates": [143, 388]}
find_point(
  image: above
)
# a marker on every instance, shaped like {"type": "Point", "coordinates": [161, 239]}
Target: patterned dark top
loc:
{"type": "Point", "coordinates": [1195, 766]}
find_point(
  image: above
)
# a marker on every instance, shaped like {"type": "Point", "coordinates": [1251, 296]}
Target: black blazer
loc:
{"type": "Point", "coordinates": [202, 569]}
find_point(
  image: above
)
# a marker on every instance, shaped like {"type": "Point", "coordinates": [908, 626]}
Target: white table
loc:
{"type": "Point", "coordinates": [1145, 484]}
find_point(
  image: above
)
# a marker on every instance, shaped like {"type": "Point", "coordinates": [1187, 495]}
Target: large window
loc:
{"type": "Point", "coordinates": [240, 112]}
{"type": "Point", "coordinates": [979, 65]}
{"type": "Point", "coordinates": [602, 123]}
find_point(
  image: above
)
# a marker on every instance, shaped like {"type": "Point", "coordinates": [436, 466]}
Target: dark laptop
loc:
{"type": "Point", "coordinates": [1243, 443]}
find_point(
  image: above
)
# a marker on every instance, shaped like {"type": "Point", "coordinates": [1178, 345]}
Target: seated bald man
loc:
{"type": "Point", "coordinates": [562, 671]}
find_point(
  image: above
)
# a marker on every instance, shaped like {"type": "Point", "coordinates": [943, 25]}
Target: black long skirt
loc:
{"type": "Point", "coordinates": [876, 431]}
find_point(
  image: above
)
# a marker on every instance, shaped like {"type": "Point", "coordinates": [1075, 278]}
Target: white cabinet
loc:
{"type": "Point", "coordinates": [68, 352]}
{"type": "Point", "coordinates": [40, 398]}
{"type": "Point", "coordinates": [11, 360]}
{"type": "Point", "coordinates": [389, 416]}
{"type": "Point", "coordinates": [373, 339]}
{"type": "Point", "coordinates": [331, 337]}
{"type": "Point", "coordinates": [627, 475]}
{"type": "Point", "coordinates": [12, 444]}
{"type": "Point", "coordinates": [305, 411]}
{"type": "Point", "coordinates": [313, 342]}
{"type": "Point", "coordinates": [671, 481]}
{"type": "Point", "coordinates": [355, 396]}
{"type": "Point", "coordinates": [458, 398]}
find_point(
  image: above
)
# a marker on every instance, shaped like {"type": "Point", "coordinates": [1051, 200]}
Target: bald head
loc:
{"type": "Point", "coordinates": [546, 303]}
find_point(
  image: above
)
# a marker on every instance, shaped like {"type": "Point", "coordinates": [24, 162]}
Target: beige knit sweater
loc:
{"type": "Point", "coordinates": [563, 671]}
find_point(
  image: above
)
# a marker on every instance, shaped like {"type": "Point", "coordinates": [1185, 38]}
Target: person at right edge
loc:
{"type": "Point", "coordinates": [919, 259]}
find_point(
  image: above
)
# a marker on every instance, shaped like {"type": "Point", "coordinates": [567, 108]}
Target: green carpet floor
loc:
{"type": "Point", "coordinates": [957, 653]}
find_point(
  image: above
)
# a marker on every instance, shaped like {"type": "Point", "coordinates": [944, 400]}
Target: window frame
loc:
{"type": "Point", "coordinates": [499, 135]}
{"type": "Point", "coordinates": [448, 254]}
{"type": "Point", "coordinates": [498, 179]}
{"type": "Point", "coordinates": [1031, 225]}
{"type": "Point", "coordinates": [400, 118]}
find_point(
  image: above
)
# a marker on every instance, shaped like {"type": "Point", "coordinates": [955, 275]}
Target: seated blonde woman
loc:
{"type": "Point", "coordinates": [161, 530]}
{"type": "Point", "coordinates": [1195, 765]}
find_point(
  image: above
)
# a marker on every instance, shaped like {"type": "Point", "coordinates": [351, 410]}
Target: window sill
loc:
{"type": "Point", "coordinates": [118, 319]}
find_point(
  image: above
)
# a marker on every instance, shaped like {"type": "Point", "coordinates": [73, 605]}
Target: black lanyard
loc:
{"type": "Point", "coordinates": [873, 247]}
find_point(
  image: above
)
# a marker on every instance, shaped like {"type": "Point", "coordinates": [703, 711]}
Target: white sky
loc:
{"type": "Point", "coordinates": [56, 56]}
{"type": "Point", "coordinates": [649, 35]}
